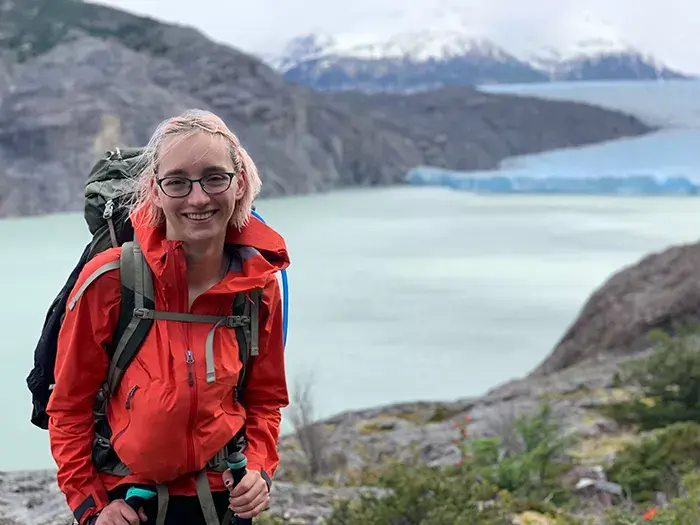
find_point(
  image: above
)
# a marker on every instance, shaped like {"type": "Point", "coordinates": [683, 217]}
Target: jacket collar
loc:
{"type": "Point", "coordinates": [258, 251]}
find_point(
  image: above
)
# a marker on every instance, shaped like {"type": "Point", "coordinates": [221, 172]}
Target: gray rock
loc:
{"type": "Point", "coordinates": [587, 484]}
{"type": "Point", "coordinates": [661, 291]}
{"type": "Point", "coordinates": [32, 497]}
{"type": "Point", "coordinates": [309, 504]}
{"type": "Point", "coordinates": [82, 78]}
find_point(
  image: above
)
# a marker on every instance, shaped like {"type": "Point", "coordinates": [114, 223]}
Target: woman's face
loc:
{"type": "Point", "coordinates": [195, 213]}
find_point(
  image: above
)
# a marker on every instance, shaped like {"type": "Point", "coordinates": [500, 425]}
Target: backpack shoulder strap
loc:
{"type": "Point", "coordinates": [137, 294]}
{"type": "Point", "coordinates": [247, 304]}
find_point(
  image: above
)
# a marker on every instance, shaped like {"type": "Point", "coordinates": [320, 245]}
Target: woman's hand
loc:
{"type": "Point", "coordinates": [250, 497]}
{"type": "Point", "coordinates": [118, 512]}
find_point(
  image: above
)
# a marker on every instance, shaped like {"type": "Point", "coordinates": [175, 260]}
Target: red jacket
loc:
{"type": "Point", "coordinates": [165, 426]}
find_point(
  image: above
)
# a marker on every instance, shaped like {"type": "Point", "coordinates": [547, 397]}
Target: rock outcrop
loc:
{"type": "Point", "coordinates": [661, 291]}
{"type": "Point", "coordinates": [78, 78]}
{"type": "Point", "coordinates": [369, 438]}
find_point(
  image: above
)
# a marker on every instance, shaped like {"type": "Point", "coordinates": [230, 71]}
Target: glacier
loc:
{"type": "Point", "coordinates": [640, 184]}
{"type": "Point", "coordinates": [665, 162]}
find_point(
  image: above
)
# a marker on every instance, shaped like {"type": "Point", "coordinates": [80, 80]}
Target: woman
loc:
{"type": "Point", "coordinates": [175, 408]}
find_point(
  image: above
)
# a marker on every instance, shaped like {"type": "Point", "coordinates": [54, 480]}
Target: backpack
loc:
{"type": "Point", "coordinates": [109, 223]}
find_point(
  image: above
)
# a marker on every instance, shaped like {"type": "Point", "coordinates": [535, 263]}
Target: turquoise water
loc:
{"type": "Point", "coordinates": [396, 295]}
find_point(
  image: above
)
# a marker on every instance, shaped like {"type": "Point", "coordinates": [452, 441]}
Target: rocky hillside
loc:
{"type": "Point", "coordinates": [363, 442]}
{"type": "Point", "coordinates": [662, 291]}
{"type": "Point", "coordinates": [77, 79]}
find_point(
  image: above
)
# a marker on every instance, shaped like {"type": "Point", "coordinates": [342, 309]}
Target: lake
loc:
{"type": "Point", "coordinates": [395, 294]}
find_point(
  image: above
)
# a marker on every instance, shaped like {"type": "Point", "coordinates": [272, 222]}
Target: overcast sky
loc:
{"type": "Point", "coordinates": [670, 29]}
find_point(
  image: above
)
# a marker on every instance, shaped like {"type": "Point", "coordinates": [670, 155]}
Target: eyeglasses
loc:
{"type": "Point", "coordinates": [212, 184]}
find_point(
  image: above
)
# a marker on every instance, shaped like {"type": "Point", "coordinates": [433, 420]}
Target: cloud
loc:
{"type": "Point", "coordinates": [666, 28]}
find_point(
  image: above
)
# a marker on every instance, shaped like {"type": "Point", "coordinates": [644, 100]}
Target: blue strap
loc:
{"type": "Point", "coordinates": [285, 289]}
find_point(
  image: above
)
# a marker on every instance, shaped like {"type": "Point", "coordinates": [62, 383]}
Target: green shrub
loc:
{"type": "Point", "coordinates": [668, 383]}
{"type": "Point", "coordinates": [684, 510]}
{"type": "Point", "coordinates": [534, 469]}
{"type": "Point", "coordinates": [658, 461]}
{"type": "Point", "coordinates": [493, 482]}
{"type": "Point", "coordinates": [421, 495]}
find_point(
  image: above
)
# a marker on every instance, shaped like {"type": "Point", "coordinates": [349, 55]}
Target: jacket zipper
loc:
{"type": "Point", "coordinates": [193, 407]}
{"type": "Point", "coordinates": [127, 405]}
{"type": "Point", "coordinates": [191, 375]}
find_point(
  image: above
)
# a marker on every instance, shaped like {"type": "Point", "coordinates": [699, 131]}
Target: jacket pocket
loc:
{"type": "Point", "coordinates": [126, 415]}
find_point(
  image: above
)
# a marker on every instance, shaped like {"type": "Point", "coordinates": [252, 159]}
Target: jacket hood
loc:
{"type": "Point", "coordinates": [262, 250]}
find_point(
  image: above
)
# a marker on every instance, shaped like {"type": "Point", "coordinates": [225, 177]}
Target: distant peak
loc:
{"type": "Point", "coordinates": [413, 45]}
{"type": "Point", "coordinates": [302, 48]}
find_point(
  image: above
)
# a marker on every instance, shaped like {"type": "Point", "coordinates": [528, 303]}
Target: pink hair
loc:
{"type": "Point", "coordinates": [184, 125]}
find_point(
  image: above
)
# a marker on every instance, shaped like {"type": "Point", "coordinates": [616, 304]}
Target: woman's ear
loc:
{"type": "Point", "coordinates": [240, 184]}
{"type": "Point", "coordinates": [155, 193]}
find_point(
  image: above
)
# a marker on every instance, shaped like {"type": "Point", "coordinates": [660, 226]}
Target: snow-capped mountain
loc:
{"type": "Point", "coordinates": [427, 59]}
{"type": "Point", "coordinates": [406, 62]}
{"type": "Point", "coordinates": [601, 59]}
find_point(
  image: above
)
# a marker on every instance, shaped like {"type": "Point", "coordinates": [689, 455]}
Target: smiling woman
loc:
{"type": "Point", "coordinates": [198, 179]}
{"type": "Point", "coordinates": [180, 413]}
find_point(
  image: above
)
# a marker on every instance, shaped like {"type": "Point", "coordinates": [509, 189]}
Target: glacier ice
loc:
{"type": "Point", "coordinates": [513, 181]}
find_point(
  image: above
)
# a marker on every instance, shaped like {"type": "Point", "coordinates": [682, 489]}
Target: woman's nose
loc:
{"type": "Point", "coordinates": [197, 196]}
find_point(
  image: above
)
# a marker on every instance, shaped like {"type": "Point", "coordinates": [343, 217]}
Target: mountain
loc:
{"type": "Point", "coordinates": [77, 79]}
{"type": "Point", "coordinates": [408, 62]}
{"type": "Point", "coordinates": [601, 59]}
{"type": "Point", "coordinates": [427, 59]}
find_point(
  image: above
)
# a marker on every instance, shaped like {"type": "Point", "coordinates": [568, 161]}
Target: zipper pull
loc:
{"type": "Point", "coordinates": [190, 367]}
{"type": "Point", "coordinates": [130, 395]}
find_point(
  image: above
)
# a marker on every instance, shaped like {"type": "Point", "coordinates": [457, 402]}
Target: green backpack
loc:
{"type": "Point", "coordinates": [109, 224]}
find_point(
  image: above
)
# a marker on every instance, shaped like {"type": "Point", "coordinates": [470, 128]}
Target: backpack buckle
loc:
{"type": "Point", "coordinates": [235, 321]}
{"type": "Point", "coordinates": [143, 313]}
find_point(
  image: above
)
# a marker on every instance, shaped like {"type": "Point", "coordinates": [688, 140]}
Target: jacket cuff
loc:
{"type": "Point", "coordinates": [90, 506]}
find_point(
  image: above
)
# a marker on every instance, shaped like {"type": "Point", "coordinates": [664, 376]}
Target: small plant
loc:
{"type": "Point", "coordinates": [310, 433]}
{"type": "Point", "coordinates": [534, 461]}
{"type": "Point", "coordinates": [658, 462]}
{"type": "Point", "coordinates": [667, 383]}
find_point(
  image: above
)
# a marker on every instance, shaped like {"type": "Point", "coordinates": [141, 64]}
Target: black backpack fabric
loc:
{"type": "Point", "coordinates": [108, 222]}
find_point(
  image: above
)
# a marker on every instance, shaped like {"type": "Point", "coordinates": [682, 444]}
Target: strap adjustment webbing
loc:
{"type": "Point", "coordinates": [229, 321]}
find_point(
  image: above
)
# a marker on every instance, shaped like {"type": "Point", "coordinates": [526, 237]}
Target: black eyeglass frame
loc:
{"type": "Point", "coordinates": [201, 181]}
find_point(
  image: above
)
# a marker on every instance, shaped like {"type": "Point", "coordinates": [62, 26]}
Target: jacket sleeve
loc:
{"type": "Point", "coordinates": [266, 391]}
{"type": "Point", "coordinates": [80, 371]}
